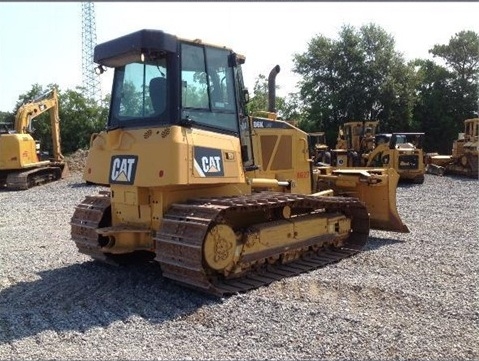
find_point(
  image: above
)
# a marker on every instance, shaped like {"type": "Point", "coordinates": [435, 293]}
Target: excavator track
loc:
{"type": "Point", "coordinates": [29, 178]}
{"type": "Point", "coordinates": [180, 240]}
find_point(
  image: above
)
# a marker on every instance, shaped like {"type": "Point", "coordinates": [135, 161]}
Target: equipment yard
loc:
{"type": "Point", "coordinates": [407, 296]}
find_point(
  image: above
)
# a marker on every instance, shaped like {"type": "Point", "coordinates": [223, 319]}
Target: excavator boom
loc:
{"type": "Point", "coordinates": [29, 111]}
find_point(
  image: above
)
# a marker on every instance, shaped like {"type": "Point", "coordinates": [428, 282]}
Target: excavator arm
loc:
{"type": "Point", "coordinates": [29, 111]}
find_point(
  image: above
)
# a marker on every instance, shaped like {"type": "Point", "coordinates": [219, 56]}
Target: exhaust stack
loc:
{"type": "Point", "coordinates": [272, 89]}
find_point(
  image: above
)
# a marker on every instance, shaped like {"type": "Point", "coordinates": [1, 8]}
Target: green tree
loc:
{"type": "Point", "coordinates": [79, 118]}
{"type": "Point", "coordinates": [360, 76]}
{"type": "Point", "coordinates": [461, 56]}
{"type": "Point", "coordinates": [293, 108]}
{"type": "Point", "coordinates": [447, 94]}
{"type": "Point", "coordinates": [432, 111]}
{"type": "Point", "coordinates": [259, 100]}
{"type": "Point", "coordinates": [6, 120]}
{"type": "Point", "coordinates": [33, 93]}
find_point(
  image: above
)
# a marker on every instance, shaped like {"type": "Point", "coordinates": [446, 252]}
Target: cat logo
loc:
{"type": "Point", "coordinates": [208, 162]}
{"type": "Point", "coordinates": [123, 169]}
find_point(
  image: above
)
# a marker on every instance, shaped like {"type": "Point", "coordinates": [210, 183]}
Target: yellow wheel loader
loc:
{"type": "Point", "coordinates": [21, 164]}
{"type": "Point", "coordinates": [222, 201]}
{"type": "Point", "coordinates": [359, 145]}
{"type": "Point", "coordinates": [464, 158]}
{"type": "Point", "coordinates": [401, 151]}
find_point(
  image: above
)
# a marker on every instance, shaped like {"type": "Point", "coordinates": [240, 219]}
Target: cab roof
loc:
{"type": "Point", "coordinates": [128, 48]}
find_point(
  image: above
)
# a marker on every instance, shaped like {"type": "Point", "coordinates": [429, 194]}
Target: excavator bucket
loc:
{"type": "Point", "coordinates": [376, 187]}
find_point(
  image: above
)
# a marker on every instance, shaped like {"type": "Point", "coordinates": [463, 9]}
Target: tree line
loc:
{"type": "Point", "coordinates": [361, 76]}
{"type": "Point", "coordinates": [358, 76]}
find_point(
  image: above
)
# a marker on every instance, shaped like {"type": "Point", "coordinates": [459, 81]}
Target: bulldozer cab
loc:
{"type": "Point", "coordinates": [357, 136]}
{"type": "Point", "coordinates": [471, 130]}
{"type": "Point", "coordinates": [162, 81]}
{"type": "Point", "coordinates": [152, 67]}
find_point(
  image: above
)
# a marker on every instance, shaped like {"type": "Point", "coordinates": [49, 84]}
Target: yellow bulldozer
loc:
{"type": "Point", "coordinates": [21, 163]}
{"type": "Point", "coordinates": [464, 158]}
{"type": "Point", "coordinates": [223, 201]}
{"type": "Point", "coordinates": [360, 145]}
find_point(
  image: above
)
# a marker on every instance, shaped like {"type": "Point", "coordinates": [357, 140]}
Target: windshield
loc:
{"type": "Point", "coordinates": [140, 94]}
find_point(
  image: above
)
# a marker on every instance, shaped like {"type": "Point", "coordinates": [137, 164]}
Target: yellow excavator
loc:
{"type": "Point", "coordinates": [223, 201]}
{"type": "Point", "coordinates": [21, 164]}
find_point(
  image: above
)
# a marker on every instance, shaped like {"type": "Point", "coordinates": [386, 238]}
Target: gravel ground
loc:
{"type": "Point", "coordinates": [407, 297]}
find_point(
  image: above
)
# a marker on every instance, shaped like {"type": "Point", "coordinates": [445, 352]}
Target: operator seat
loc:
{"type": "Point", "coordinates": [158, 94]}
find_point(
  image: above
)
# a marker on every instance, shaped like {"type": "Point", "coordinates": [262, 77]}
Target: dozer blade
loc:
{"type": "Point", "coordinates": [376, 187]}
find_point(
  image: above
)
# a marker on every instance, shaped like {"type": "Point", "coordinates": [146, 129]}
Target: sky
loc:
{"type": "Point", "coordinates": [41, 42]}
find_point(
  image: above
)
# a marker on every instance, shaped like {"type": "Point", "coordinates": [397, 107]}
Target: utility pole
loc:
{"type": "Point", "coordinates": [90, 81]}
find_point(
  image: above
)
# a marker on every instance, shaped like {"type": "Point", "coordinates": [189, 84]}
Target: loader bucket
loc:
{"type": "Point", "coordinates": [376, 187]}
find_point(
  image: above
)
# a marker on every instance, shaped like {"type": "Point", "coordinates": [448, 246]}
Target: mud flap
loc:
{"type": "Point", "coordinates": [376, 187]}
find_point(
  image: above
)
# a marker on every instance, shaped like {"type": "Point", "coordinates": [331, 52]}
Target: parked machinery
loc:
{"type": "Point", "coordinates": [223, 201]}
{"type": "Point", "coordinates": [401, 151]}
{"type": "Point", "coordinates": [319, 150]}
{"type": "Point", "coordinates": [359, 145]}
{"type": "Point", "coordinates": [355, 141]}
{"type": "Point", "coordinates": [21, 166]}
{"type": "Point", "coordinates": [464, 158]}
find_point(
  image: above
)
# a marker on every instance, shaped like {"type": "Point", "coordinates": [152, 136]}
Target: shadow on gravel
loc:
{"type": "Point", "coordinates": [376, 243]}
{"type": "Point", "coordinates": [405, 184]}
{"type": "Point", "coordinates": [83, 296]}
{"type": "Point", "coordinates": [85, 185]}
{"type": "Point", "coordinates": [80, 185]}
{"type": "Point", "coordinates": [5, 190]}
{"type": "Point", "coordinates": [461, 178]}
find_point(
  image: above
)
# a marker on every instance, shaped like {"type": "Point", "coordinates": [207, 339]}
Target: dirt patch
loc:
{"type": "Point", "coordinates": [77, 161]}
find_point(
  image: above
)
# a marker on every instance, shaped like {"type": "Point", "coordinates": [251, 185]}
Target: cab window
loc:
{"type": "Point", "coordinates": [139, 93]}
{"type": "Point", "coordinates": [207, 88]}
